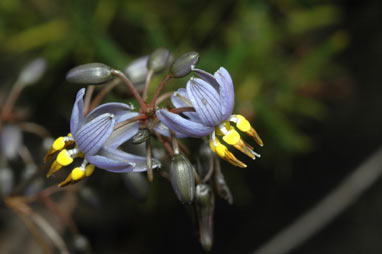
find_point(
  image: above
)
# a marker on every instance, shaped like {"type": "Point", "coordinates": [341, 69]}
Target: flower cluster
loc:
{"type": "Point", "coordinates": [202, 109]}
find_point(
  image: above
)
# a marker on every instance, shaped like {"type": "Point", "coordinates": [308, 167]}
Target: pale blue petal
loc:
{"type": "Point", "coordinates": [206, 101]}
{"type": "Point", "coordinates": [92, 136]}
{"type": "Point", "coordinates": [122, 134]}
{"type": "Point", "coordinates": [163, 130]}
{"type": "Point", "coordinates": [208, 77]}
{"type": "Point", "coordinates": [111, 165]}
{"type": "Point", "coordinates": [180, 99]}
{"type": "Point", "coordinates": [121, 111]}
{"type": "Point", "coordinates": [184, 126]}
{"type": "Point", "coordinates": [226, 91]}
{"type": "Point", "coordinates": [77, 117]}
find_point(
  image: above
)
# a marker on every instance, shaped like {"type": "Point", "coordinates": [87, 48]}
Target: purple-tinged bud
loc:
{"type": "Point", "coordinates": [183, 65]}
{"type": "Point", "coordinates": [137, 185]}
{"type": "Point", "coordinates": [205, 205]}
{"type": "Point", "coordinates": [11, 140]}
{"type": "Point", "coordinates": [137, 70]}
{"type": "Point", "coordinates": [182, 178]}
{"type": "Point", "coordinates": [32, 72]}
{"type": "Point", "coordinates": [90, 74]}
{"type": "Point", "coordinates": [159, 60]}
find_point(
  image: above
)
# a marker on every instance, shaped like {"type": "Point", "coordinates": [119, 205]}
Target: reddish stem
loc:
{"type": "Point", "coordinates": [159, 89]}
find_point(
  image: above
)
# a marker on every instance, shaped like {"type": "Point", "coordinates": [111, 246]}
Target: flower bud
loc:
{"type": "Point", "coordinates": [11, 140]}
{"type": "Point", "coordinates": [182, 178]}
{"type": "Point", "coordinates": [183, 64]}
{"type": "Point", "coordinates": [159, 60]}
{"type": "Point", "coordinates": [32, 72]}
{"type": "Point", "coordinates": [137, 185]}
{"type": "Point", "coordinates": [6, 180]}
{"type": "Point", "coordinates": [92, 73]}
{"type": "Point", "coordinates": [142, 135]}
{"type": "Point", "coordinates": [205, 204]}
{"type": "Point", "coordinates": [137, 70]}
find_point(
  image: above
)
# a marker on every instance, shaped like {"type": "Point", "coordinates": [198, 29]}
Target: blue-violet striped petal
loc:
{"type": "Point", "coordinates": [77, 117]}
{"type": "Point", "coordinates": [91, 137]}
{"type": "Point", "coordinates": [226, 91]}
{"type": "Point", "coordinates": [184, 126]}
{"type": "Point", "coordinates": [205, 100]}
{"type": "Point", "coordinates": [121, 111]}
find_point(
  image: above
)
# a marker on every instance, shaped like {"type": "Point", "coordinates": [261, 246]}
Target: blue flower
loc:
{"type": "Point", "coordinates": [213, 98]}
{"type": "Point", "coordinates": [96, 138]}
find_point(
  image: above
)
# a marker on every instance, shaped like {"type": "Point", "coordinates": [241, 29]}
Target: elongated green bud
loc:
{"type": "Point", "coordinates": [183, 65]}
{"type": "Point", "coordinates": [182, 178]}
{"type": "Point", "coordinates": [205, 205]}
{"type": "Point", "coordinates": [159, 60]}
{"type": "Point", "coordinates": [90, 74]}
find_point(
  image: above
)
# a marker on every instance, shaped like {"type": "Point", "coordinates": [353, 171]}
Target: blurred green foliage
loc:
{"type": "Point", "coordinates": [279, 53]}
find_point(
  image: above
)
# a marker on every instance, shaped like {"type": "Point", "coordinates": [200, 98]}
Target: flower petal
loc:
{"type": "Point", "coordinates": [180, 99]}
{"type": "Point", "coordinates": [121, 111]}
{"type": "Point", "coordinates": [115, 160]}
{"type": "Point", "coordinates": [77, 117]}
{"type": "Point", "coordinates": [208, 77]}
{"type": "Point", "coordinates": [122, 134]}
{"type": "Point", "coordinates": [91, 137]}
{"type": "Point", "coordinates": [164, 130]}
{"type": "Point", "coordinates": [184, 126]}
{"type": "Point", "coordinates": [226, 91]}
{"type": "Point", "coordinates": [206, 101]}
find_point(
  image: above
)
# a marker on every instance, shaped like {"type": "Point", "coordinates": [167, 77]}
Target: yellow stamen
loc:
{"type": "Point", "coordinates": [59, 144]}
{"type": "Point", "coordinates": [226, 125]}
{"type": "Point", "coordinates": [78, 173]}
{"type": "Point", "coordinates": [67, 181]}
{"type": "Point", "coordinates": [89, 170]}
{"type": "Point", "coordinates": [245, 148]}
{"type": "Point", "coordinates": [64, 158]}
{"type": "Point", "coordinates": [242, 123]}
{"type": "Point", "coordinates": [232, 137]}
{"type": "Point", "coordinates": [255, 136]}
{"type": "Point", "coordinates": [222, 151]}
{"type": "Point", "coordinates": [53, 169]}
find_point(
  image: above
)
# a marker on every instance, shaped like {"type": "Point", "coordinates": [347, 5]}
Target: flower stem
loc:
{"type": "Point", "coordinates": [130, 120]}
{"type": "Point", "coordinates": [159, 89]}
{"type": "Point", "coordinates": [147, 84]}
{"type": "Point", "coordinates": [88, 97]}
{"type": "Point", "coordinates": [133, 90]}
{"type": "Point", "coordinates": [97, 100]}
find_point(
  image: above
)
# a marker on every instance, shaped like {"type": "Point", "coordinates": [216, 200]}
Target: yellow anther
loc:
{"type": "Point", "coordinates": [245, 148]}
{"type": "Point", "coordinates": [58, 144]}
{"type": "Point", "coordinates": [64, 158]}
{"type": "Point", "coordinates": [69, 135]}
{"type": "Point", "coordinates": [255, 136]}
{"type": "Point", "coordinates": [89, 170]}
{"type": "Point", "coordinates": [67, 181]}
{"type": "Point", "coordinates": [221, 150]}
{"type": "Point", "coordinates": [78, 173]}
{"type": "Point", "coordinates": [232, 137]}
{"type": "Point", "coordinates": [53, 168]}
{"type": "Point", "coordinates": [242, 123]}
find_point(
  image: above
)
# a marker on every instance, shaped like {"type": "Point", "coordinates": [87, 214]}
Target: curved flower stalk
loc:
{"type": "Point", "coordinates": [96, 139]}
{"type": "Point", "coordinates": [212, 97]}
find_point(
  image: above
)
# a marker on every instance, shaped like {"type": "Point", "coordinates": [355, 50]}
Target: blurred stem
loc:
{"type": "Point", "coordinates": [159, 89]}
{"type": "Point", "coordinates": [147, 84]}
{"type": "Point", "coordinates": [133, 90]}
{"type": "Point", "coordinates": [35, 129]}
{"type": "Point", "coordinates": [150, 175]}
{"type": "Point", "coordinates": [182, 109]}
{"type": "Point", "coordinates": [11, 100]}
{"type": "Point", "coordinates": [163, 97]}
{"type": "Point", "coordinates": [327, 209]}
{"type": "Point", "coordinates": [131, 120]}
{"type": "Point", "coordinates": [88, 97]}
